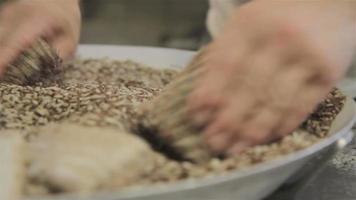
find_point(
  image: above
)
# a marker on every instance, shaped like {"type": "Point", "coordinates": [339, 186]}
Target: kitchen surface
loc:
{"type": "Point", "coordinates": [181, 24]}
{"type": "Point", "coordinates": [335, 181]}
{"type": "Point", "coordinates": [165, 23]}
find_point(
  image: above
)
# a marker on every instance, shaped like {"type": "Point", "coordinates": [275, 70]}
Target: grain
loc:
{"type": "Point", "coordinates": [107, 93]}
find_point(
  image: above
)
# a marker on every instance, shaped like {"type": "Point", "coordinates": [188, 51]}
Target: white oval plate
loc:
{"type": "Point", "coordinates": [152, 56]}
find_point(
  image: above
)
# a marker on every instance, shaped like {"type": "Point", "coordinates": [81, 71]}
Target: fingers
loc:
{"type": "Point", "coordinates": [14, 39]}
{"type": "Point", "coordinates": [65, 47]}
{"type": "Point", "coordinates": [221, 132]}
{"type": "Point", "coordinates": [210, 86]}
{"type": "Point", "coordinates": [207, 94]}
{"type": "Point", "coordinates": [259, 129]}
{"type": "Point", "coordinates": [22, 23]}
{"type": "Point", "coordinates": [263, 90]}
{"type": "Point", "coordinates": [301, 96]}
{"type": "Point", "coordinates": [231, 116]}
{"type": "Point", "coordinates": [251, 119]}
{"type": "Point", "coordinates": [238, 147]}
{"type": "Point", "coordinates": [244, 94]}
{"type": "Point", "coordinates": [220, 142]}
{"type": "Point", "coordinates": [210, 93]}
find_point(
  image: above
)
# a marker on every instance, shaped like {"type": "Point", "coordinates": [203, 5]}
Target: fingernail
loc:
{"type": "Point", "coordinates": [2, 69]}
{"type": "Point", "coordinates": [210, 132]}
{"type": "Point", "coordinates": [201, 119]}
{"type": "Point", "coordinates": [219, 143]}
{"type": "Point", "coordinates": [238, 148]}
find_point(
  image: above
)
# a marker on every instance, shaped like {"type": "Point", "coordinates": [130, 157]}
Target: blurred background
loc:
{"type": "Point", "coordinates": [164, 23]}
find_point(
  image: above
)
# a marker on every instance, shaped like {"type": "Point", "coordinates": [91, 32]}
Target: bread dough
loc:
{"type": "Point", "coordinates": [75, 158]}
{"type": "Point", "coordinates": [12, 165]}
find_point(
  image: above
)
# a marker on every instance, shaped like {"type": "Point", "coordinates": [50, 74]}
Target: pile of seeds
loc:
{"type": "Point", "coordinates": [91, 88]}
{"type": "Point", "coordinates": [319, 121]}
{"type": "Point", "coordinates": [23, 107]}
{"type": "Point", "coordinates": [107, 93]}
{"type": "Point", "coordinates": [107, 71]}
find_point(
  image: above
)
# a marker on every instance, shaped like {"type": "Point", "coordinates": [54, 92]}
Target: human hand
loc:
{"type": "Point", "coordinates": [270, 67]}
{"type": "Point", "coordinates": [23, 22]}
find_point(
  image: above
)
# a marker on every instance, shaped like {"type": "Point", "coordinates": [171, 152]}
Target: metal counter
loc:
{"type": "Point", "coordinates": [336, 181]}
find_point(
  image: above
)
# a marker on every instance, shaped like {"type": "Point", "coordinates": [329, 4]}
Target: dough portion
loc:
{"type": "Point", "coordinates": [12, 165]}
{"type": "Point", "coordinates": [75, 158]}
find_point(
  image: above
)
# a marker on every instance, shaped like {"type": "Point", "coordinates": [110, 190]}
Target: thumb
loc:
{"type": "Point", "coordinates": [65, 47]}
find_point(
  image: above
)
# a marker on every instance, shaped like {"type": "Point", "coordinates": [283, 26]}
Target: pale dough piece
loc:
{"type": "Point", "coordinates": [74, 158]}
{"type": "Point", "coordinates": [12, 165]}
